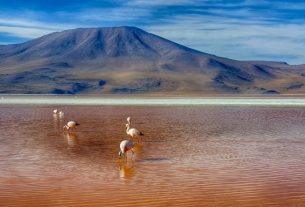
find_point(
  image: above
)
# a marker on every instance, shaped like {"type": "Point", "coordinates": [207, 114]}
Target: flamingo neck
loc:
{"type": "Point", "coordinates": [127, 129]}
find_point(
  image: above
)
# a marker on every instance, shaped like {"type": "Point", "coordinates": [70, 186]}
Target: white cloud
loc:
{"type": "Point", "coordinates": [119, 14]}
{"type": "Point", "coordinates": [243, 39]}
{"type": "Point", "coordinates": [286, 5]}
{"type": "Point", "coordinates": [233, 30]}
{"type": "Point", "coordinates": [24, 32]}
{"type": "Point", "coordinates": [160, 2]}
{"type": "Point", "coordinates": [26, 28]}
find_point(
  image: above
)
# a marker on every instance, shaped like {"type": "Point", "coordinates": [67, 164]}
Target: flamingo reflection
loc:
{"type": "Point", "coordinates": [71, 139]}
{"type": "Point", "coordinates": [127, 170]}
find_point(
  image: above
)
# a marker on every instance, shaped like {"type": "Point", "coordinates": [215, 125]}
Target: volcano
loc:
{"type": "Point", "coordinates": [120, 60]}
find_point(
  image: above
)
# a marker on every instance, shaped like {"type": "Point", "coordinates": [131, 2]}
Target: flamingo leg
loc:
{"type": "Point", "coordinates": [132, 154]}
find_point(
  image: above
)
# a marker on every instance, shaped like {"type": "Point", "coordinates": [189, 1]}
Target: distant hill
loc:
{"type": "Point", "coordinates": [120, 60]}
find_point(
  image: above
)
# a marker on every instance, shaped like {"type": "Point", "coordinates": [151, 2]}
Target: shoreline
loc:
{"type": "Point", "coordinates": [280, 101]}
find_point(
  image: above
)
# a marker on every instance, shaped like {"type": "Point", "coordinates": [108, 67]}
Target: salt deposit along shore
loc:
{"type": "Point", "coordinates": [138, 100]}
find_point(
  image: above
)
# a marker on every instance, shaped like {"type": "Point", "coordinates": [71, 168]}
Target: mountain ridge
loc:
{"type": "Point", "coordinates": [130, 60]}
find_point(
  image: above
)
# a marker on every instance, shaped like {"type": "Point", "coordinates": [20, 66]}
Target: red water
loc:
{"type": "Point", "coordinates": [189, 156]}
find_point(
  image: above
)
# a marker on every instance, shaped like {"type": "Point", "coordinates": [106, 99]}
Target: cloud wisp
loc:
{"type": "Point", "coordinates": [238, 29]}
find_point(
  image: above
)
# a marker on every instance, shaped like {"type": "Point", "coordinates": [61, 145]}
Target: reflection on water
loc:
{"type": "Point", "coordinates": [189, 156]}
{"type": "Point", "coordinates": [57, 122]}
{"type": "Point", "coordinates": [138, 147]}
{"type": "Point", "coordinates": [127, 169]}
{"type": "Point", "coordinates": [71, 139]}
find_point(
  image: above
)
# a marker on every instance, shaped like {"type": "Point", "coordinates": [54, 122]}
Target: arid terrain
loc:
{"type": "Point", "coordinates": [128, 60]}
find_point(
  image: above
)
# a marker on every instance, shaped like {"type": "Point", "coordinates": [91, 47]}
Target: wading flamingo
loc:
{"type": "Point", "coordinates": [134, 133]}
{"type": "Point", "coordinates": [56, 112]}
{"type": "Point", "coordinates": [71, 125]}
{"type": "Point", "coordinates": [125, 146]}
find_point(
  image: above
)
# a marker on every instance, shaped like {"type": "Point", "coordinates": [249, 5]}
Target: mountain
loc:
{"type": "Point", "coordinates": [130, 60]}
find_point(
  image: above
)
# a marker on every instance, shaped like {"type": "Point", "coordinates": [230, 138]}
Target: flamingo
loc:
{"type": "Point", "coordinates": [71, 125]}
{"type": "Point", "coordinates": [132, 131]}
{"type": "Point", "coordinates": [56, 112]}
{"type": "Point", "coordinates": [125, 146]}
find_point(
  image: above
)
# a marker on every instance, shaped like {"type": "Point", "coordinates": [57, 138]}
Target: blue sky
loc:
{"type": "Point", "coordinates": [238, 29]}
